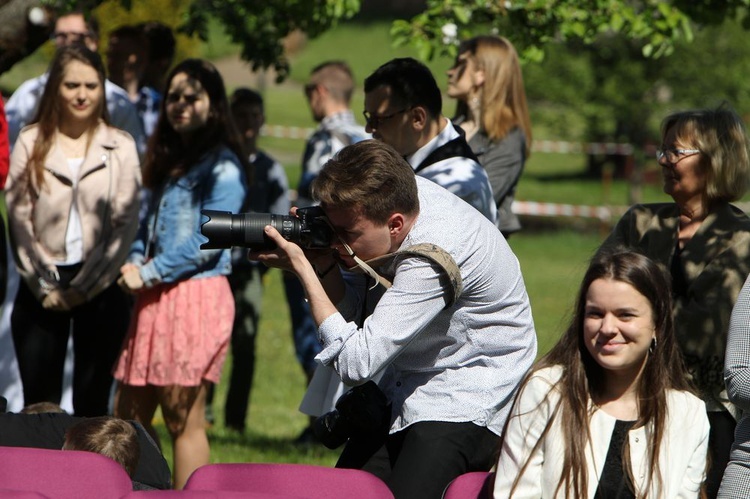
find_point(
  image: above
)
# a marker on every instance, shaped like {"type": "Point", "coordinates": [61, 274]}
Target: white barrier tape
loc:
{"type": "Point", "coordinates": [558, 146]}
{"type": "Point", "coordinates": [544, 146]}
{"type": "Point", "coordinates": [534, 208]}
{"type": "Point", "coordinates": [286, 132]}
{"type": "Point", "coordinates": [603, 213]}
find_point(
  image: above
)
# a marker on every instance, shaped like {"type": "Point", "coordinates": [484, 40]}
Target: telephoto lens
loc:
{"type": "Point", "coordinates": [310, 229]}
{"type": "Point", "coordinates": [224, 229]}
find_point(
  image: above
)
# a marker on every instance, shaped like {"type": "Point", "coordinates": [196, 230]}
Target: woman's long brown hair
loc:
{"type": "Point", "coordinates": [503, 97]}
{"type": "Point", "coordinates": [582, 377]}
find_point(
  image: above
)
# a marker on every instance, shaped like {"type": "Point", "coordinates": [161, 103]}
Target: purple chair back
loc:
{"type": "Point", "coordinates": [296, 480]}
{"type": "Point", "coordinates": [21, 494]}
{"type": "Point", "coordinates": [62, 474]}
{"type": "Point", "coordinates": [201, 494]}
{"type": "Point", "coordinates": [473, 485]}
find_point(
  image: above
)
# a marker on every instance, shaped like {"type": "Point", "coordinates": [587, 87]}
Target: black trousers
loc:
{"type": "Point", "coordinates": [421, 460]}
{"type": "Point", "coordinates": [720, 439]}
{"type": "Point", "coordinates": [40, 338]}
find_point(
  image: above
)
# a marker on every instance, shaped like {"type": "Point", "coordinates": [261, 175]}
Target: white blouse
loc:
{"type": "Point", "coordinates": [682, 457]}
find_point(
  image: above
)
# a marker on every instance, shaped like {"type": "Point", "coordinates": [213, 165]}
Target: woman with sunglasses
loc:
{"type": "Point", "coordinates": [486, 81]}
{"type": "Point", "coordinates": [184, 309]}
{"type": "Point", "coordinates": [704, 242]}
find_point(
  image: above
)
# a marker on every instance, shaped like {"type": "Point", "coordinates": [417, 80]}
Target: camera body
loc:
{"type": "Point", "coordinates": [309, 229]}
{"type": "Point", "coordinates": [361, 410]}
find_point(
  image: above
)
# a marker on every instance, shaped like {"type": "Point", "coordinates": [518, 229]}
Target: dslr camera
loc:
{"type": "Point", "coordinates": [309, 229]}
{"type": "Point", "coordinates": [362, 410]}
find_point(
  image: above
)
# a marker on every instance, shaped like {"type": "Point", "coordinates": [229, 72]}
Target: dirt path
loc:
{"type": "Point", "coordinates": [237, 73]}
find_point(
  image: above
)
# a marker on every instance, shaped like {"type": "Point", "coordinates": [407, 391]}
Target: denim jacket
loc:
{"type": "Point", "coordinates": [171, 232]}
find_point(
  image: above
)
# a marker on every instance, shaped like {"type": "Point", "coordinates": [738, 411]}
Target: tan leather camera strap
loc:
{"type": "Point", "coordinates": [429, 251]}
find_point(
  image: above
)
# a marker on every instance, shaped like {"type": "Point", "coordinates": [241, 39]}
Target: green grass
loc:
{"type": "Point", "coordinates": [552, 282]}
{"type": "Point", "coordinates": [558, 178]}
{"type": "Point", "coordinates": [31, 67]}
{"type": "Point", "coordinates": [363, 45]}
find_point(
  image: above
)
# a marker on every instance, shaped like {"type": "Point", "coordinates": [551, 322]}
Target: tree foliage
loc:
{"type": "Point", "coordinates": [260, 27]}
{"type": "Point", "coordinates": [654, 25]}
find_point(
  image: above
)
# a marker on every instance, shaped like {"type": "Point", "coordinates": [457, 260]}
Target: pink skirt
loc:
{"type": "Point", "coordinates": [179, 334]}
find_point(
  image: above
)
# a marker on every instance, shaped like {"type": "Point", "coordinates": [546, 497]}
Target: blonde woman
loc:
{"type": "Point", "coordinates": [72, 199]}
{"type": "Point", "coordinates": [486, 81]}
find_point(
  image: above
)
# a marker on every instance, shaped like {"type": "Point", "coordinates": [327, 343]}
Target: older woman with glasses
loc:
{"type": "Point", "coordinates": [704, 242]}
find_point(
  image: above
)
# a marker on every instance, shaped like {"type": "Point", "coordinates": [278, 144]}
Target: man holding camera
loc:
{"type": "Point", "coordinates": [448, 341]}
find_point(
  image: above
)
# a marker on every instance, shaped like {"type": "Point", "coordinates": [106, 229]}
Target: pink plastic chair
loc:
{"type": "Point", "coordinates": [62, 474]}
{"type": "Point", "coordinates": [200, 494]}
{"type": "Point", "coordinates": [21, 494]}
{"type": "Point", "coordinates": [297, 480]}
{"type": "Point", "coordinates": [473, 485]}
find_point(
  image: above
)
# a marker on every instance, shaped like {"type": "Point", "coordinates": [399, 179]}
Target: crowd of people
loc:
{"type": "Point", "coordinates": [417, 340]}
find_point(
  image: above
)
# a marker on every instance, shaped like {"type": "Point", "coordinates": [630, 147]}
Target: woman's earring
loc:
{"type": "Point", "coordinates": [653, 345]}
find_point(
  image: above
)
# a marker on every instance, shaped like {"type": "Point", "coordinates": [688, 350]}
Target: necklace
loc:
{"type": "Point", "coordinates": [72, 147]}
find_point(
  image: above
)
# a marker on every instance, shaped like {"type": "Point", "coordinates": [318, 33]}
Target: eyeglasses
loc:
{"type": "Point", "coordinates": [62, 37]}
{"type": "Point", "coordinates": [675, 155]}
{"type": "Point", "coordinates": [374, 121]}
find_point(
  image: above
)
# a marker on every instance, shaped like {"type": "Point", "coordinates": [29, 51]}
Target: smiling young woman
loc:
{"type": "Point", "coordinates": [608, 412]}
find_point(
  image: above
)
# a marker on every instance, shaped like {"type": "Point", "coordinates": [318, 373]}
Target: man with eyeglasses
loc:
{"type": "Point", "coordinates": [403, 108]}
{"type": "Point", "coordinates": [70, 28]}
{"type": "Point", "coordinates": [328, 92]}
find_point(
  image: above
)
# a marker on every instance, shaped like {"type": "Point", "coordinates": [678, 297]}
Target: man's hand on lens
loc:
{"type": "Point", "coordinates": [286, 255]}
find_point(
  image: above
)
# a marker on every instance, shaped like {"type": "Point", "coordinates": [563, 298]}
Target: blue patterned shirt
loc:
{"type": "Point", "coordinates": [333, 134]}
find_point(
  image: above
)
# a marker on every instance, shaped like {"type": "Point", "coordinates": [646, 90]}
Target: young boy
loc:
{"type": "Point", "coordinates": [111, 437]}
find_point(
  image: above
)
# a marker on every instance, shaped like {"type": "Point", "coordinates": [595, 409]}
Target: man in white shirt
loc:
{"type": "Point", "coordinates": [403, 108]}
{"type": "Point", "coordinates": [448, 341]}
{"type": "Point", "coordinates": [71, 28]}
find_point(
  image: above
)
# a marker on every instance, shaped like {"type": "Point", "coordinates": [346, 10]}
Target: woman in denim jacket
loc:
{"type": "Point", "coordinates": [184, 311]}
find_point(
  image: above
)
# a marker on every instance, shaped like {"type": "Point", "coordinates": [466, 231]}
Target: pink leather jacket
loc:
{"type": "Point", "coordinates": [107, 199]}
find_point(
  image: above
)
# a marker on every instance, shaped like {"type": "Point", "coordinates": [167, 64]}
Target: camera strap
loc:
{"type": "Point", "coordinates": [429, 251]}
